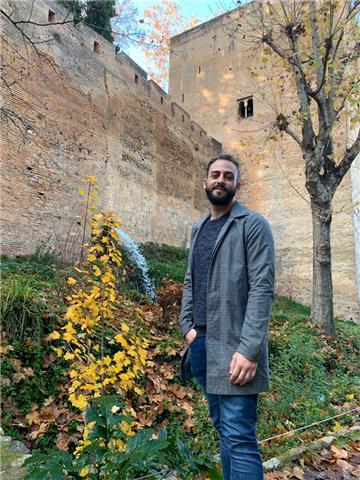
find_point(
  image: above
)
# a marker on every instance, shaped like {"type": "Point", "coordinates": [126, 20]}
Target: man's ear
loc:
{"type": "Point", "coordinates": [237, 187]}
{"type": "Point", "coordinates": [204, 184]}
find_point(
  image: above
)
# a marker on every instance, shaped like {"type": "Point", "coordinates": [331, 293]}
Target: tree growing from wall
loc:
{"type": "Point", "coordinates": [115, 20]}
{"type": "Point", "coordinates": [98, 16]}
{"type": "Point", "coordinates": [314, 45]}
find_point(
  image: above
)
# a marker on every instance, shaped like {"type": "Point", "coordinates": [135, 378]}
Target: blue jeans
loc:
{"type": "Point", "coordinates": [234, 417]}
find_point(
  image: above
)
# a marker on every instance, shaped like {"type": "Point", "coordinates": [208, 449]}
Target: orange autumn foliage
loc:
{"type": "Point", "coordinates": [163, 21]}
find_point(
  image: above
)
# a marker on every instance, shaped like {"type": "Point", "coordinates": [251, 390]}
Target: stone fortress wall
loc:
{"type": "Point", "coordinates": [88, 111]}
{"type": "Point", "coordinates": [213, 67]}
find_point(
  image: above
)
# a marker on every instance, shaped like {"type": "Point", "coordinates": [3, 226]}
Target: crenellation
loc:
{"type": "Point", "coordinates": [199, 131]}
{"type": "Point", "coordinates": [180, 114]}
{"type": "Point", "coordinates": [123, 58]}
{"type": "Point", "coordinates": [160, 98]}
{"type": "Point", "coordinates": [102, 50]}
{"type": "Point", "coordinates": [214, 145]}
{"type": "Point", "coordinates": [129, 71]}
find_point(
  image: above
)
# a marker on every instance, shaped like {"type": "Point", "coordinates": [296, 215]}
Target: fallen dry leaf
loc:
{"type": "Point", "coordinates": [48, 360]}
{"type": "Point", "coordinates": [297, 473]}
{"type": "Point", "coordinates": [340, 454]}
{"type": "Point", "coordinates": [276, 475]}
{"type": "Point", "coordinates": [344, 464]}
{"type": "Point", "coordinates": [33, 417]}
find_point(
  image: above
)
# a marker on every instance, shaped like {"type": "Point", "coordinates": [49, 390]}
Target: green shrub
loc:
{"type": "Point", "coordinates": [165, 261]}
{"type": "Point", "coordinates": [164, 253]}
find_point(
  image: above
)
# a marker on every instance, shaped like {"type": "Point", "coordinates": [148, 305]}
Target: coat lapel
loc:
{"type": "Point", "coordinates": [237, 210]}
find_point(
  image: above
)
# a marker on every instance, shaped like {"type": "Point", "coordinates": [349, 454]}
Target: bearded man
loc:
{"type": "Point", "coordinates": [226, 306]}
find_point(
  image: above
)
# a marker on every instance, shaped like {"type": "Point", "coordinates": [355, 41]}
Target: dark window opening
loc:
{"type": "Point", "coordinates": [182, 98]}
{"type": "Point", "coordinates": [199, 69]}
{"type": "Point", "coordinates": [246, 107]}
{"type": "Point", "coordinates": [51, 16]}
{"type": "Point", "coordinates": [161, 100]}
{"type": "Point", "coordinates": [136, 78]}
{"type": "Point", "coordinates": [96, 47]}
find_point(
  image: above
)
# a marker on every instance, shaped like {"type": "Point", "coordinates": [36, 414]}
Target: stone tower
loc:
{"type": "Point", "coordinates": [210, 77]}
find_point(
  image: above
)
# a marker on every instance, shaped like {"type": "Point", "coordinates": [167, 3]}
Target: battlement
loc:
{"type": "Point", "coordinates": [83, 42]}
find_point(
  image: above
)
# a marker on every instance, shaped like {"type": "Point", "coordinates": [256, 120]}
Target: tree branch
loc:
{"type": "Point", "coordinates": [349, 156]}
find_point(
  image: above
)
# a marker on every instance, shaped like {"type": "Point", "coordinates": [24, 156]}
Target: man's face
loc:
{"type": "Point", "coordinates": [221, 183]}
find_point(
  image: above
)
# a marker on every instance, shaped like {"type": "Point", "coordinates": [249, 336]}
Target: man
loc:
{"type": "Point", "coordinates": [226, 306]}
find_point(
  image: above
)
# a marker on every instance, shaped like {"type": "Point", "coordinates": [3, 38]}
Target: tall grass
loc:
{"type": "Point", "coordinates": [30, 290]}
{"type": "Point", "coordinates": [22, 307]}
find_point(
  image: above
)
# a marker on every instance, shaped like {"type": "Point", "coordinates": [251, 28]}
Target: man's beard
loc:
{"type": "Point", "coordinates": [220, 200]}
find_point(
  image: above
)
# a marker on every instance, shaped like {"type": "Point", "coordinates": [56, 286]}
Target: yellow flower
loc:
{"type": "Point", "coordinates": [69, 356]}
{"type": "Point", "coordinates": [124, 327]}
{"type": "Point", "coordinates": [90, 179]}
{"type": "Point", "coordinates": [115, 409]}
{"type": "Point", "coordinates": [91, 258]}
{"type": "Point", "coordinates": [106, 278]}
{"type": "Point", "coordinates": [78, 401]}
{"type": "Point", "coordinates": [97, 271]}
{"type": "Point", "coordinates": [84, 471]}
{"type": "Point", "coordinates": [107, 360]}
{"type": "Point", "coordinates": [54, 335]}
{"type": "Point", "coordinates": [71, 281]}
{"type": "Point", "coordinates": [120, 339]}
{"type": "Point", "coordinates": [120, 445]}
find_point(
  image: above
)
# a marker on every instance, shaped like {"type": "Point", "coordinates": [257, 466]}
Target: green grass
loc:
{"type": "Point", "coordinates": [31, 288]}
{"type": "Point", "coordinates": [165, 261]}
{"type": "Point", "coordinates": [310, 375]}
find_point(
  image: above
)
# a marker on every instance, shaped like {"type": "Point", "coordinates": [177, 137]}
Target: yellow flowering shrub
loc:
{"type": "Point", "coordinates": [106, 355]}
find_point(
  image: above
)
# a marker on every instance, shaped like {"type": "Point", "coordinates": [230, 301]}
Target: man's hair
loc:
{"type": "Point", "coordinates": [229, 158]}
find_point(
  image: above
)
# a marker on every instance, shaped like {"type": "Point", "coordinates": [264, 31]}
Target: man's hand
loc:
{"type": "Point", "coordinates": [242, 370]}
{"type": "Point", "coordinates": [191, 335]}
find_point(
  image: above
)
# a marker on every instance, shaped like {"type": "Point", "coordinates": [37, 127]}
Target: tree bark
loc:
{"type": "Point", "coordinates": [322, 300]}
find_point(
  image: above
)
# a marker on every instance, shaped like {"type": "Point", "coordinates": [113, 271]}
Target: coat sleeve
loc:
{"type": "Point", "coordinates": [186, 314]}
{"type": "Point", "coordinates": [261, 279]}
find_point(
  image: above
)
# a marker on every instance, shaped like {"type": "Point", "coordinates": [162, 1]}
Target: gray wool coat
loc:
{"type": "Point", "coordinates": [240, 293]}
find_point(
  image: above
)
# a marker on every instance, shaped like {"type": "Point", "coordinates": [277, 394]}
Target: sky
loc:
{"type": "Point", "coordinates": [201, 9]}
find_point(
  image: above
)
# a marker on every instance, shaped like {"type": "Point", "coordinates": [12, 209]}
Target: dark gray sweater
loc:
{"type": "Point", "coordinates": [203, 250]}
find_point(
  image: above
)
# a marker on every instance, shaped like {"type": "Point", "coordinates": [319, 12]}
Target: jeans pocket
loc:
{"type": "Point", "coordinates": [194, 341]}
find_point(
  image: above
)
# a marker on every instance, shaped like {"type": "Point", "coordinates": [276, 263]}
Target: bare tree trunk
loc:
{"type": "Point", "coordinates": [322, 301]}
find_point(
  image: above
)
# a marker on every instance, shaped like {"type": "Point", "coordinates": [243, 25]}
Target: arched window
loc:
{"type": "Point", "coordinates": [245, 107]}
